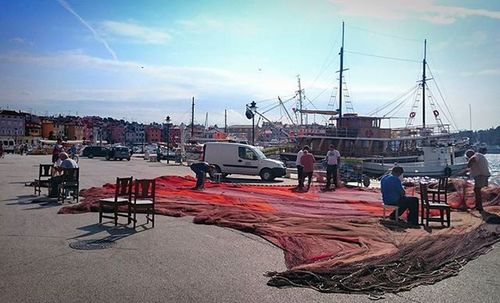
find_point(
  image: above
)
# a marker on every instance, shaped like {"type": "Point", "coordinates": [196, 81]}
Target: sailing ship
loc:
{"type": "Point", "coordinates": [427, 150]}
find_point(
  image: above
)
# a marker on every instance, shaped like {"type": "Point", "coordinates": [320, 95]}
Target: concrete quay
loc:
{"type": "Point", "coordinates": [177, 261]}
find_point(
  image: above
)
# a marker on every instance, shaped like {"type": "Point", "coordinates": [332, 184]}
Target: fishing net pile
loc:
{"type": "Point", "coordinates": [332, 241]}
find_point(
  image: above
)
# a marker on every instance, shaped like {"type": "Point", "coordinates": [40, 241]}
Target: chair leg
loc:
{"type": "Point", "coordinates": [129, 218]}
{"type": "Point", "coordinates": [441, 214]}
{"type": "Point", "coordinates": [100, 212]}
{"type": "Point", "coordinates": [448, 214]}
{"type": "Point", "coordinates": [135, 217]}
{"type": "Point", "coordinates": [116, 214]}
{"type": "Point", "coordinates": [422, 213]}
{"type": "Point", "coordinates": [153, 216]}
{"type": "Point", "coordinates": [427, 217]}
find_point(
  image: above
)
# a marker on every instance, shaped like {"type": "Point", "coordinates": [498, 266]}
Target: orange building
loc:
{"type": "Point", "coordinates": [47, 128]}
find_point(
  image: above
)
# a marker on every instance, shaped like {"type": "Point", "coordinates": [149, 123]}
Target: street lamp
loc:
{"type": "Point", "coordinates": [168, 123]}
{"type": "Point", "coordinates": [250, 113]}
{"type": "Point", "coordinates": [15, 140]}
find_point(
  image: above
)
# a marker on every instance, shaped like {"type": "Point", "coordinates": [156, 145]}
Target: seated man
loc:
{"type": "Point", "coordinates": [66, 162]}
{"type": "Point", "coordinates": [200, 169]}
{"type": "Point", "coordinates": [393, 193]}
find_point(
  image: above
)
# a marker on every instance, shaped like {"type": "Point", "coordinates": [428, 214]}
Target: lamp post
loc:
{"type": "Point", "coordinates": [168, 124]}
{"type": "Point", "coordinates": [15, 140]}
{"type": "Point", "coordinates": [253, 108]}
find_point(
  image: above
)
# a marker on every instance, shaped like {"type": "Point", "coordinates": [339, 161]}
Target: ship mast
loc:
{"type": "Point", "coordinates": [300, 100]}
{"type": "Point", "coordinates": [340, 76]}
{"type": "Point", "coordinates": [424, 62]}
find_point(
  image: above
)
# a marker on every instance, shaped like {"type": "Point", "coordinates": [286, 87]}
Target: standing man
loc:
{"type": "Point", "coordinates": [332, 162]}
{"type": "Point", "coordinates": [307, 161]}
{"type": "Point", "coordinates": [200, 169]}
{"type": "Point", "coordinates": [58, 148]}
{"type": "Point", "coordinates": [478, 168]}
{"type": "Point", "coordinates": [300, 169]}
{"type": "Point", "coordinates": [393, 193]}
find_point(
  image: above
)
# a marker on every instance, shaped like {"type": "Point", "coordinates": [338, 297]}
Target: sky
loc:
{"type": "Point", "coordinates": [145, 60]}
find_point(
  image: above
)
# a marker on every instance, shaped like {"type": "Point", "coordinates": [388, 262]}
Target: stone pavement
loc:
{"type": "Point", "coordinates": [177, 261]}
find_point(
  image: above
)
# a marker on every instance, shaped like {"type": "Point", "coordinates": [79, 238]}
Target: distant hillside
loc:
{"type": "Point", "coordinates": [490, 136]}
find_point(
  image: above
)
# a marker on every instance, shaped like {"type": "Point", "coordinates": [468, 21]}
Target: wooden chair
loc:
{"type": "Point", "coordinates": [394, 208]}
{"type": "Point", "coordinates": [44, 175]}
{"type": "Point", "coordinates": [70, 183]}
{"type": "Point", "coordinates": [440, 194]}
{"type": "Point", "coordinates": [144, 200]}
{"type": "Point", "coordinates": [427, 206]}
{"type": "Point", "coordinates": [123, 196]}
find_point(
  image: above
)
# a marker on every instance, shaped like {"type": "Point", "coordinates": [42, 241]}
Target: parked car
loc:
{"type": "Point", "coordinates": [95, 151]}
{"type": "Point", "coordinates": [118, 153]}
{"type": "Point", "coordinates": [236, 158]}
{"type": "Point", "coordinates": [170, 154]}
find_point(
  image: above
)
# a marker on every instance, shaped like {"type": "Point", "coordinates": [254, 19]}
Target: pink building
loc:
{"type": "Point", "coordinates": [153, 133]}
{"type": "Point", "coordinates": [117, 133]}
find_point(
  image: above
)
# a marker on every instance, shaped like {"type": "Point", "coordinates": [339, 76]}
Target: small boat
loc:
{"type": "Point", "coordinates": [436, 162]}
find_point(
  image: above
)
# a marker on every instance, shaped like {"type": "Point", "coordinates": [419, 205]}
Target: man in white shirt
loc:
{"type": "Point", "coordinates": [300, 169]}
{"type": "Point", "coordinates": [332, 162]}
{"type": "Point", "coordinates": [66, 162]}
{"type": "Point", "coordinates": [479, 170]}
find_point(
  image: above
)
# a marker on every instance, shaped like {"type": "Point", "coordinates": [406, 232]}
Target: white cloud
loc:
{"type": "Point", "coordinates": [484, 72]}
{"type": "Point", "coordinates": [200, 24]}
{"type": "Point", "coordinates": [136, 32]}
{"type": "Point", "coordinates": [403, 9]}
{"type": "Point", "coordinates": [19, 40]}
{"type": "Point", "coordinates": [146, 81]}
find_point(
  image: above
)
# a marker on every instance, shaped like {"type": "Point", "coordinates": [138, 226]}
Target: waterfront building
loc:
{"type": "Point", "coordinates": [12, 124]}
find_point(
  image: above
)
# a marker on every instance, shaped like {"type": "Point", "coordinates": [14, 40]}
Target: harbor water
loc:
{"type": "Point", "coordinates": [494, 162]}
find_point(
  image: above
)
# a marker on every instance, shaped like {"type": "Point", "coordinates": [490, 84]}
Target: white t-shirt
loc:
{"type": "Point", "coordinates": [332, 157]}
{"type": "Point", "coordinates": [299, 155]}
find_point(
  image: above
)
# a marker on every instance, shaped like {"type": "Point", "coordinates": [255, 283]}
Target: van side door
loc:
{"type": "Point", "coordinates": [248, 162]}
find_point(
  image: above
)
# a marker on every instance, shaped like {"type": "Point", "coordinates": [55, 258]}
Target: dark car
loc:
{"type": "Point", "coordinates": [95, 151]}
{"type": "Point", "coordinates": [118, 153]}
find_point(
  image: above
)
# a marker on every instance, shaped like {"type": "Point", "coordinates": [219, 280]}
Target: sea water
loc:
{"type": "Point", "coordinates": [494, 163]}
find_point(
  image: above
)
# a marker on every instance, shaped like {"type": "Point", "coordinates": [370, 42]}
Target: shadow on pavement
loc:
{"type": "Point", "coordinates": [115, 233]}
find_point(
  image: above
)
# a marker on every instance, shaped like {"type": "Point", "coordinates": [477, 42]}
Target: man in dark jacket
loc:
{"type": "Point", "coordinates": [200, 169]}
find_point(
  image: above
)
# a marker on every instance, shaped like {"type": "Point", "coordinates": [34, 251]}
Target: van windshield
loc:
{"type": "Point", "coordinates": [259, 153]}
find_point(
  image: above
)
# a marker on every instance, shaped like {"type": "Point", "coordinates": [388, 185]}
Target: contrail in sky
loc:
{"type": "Point", "coordinates": [96, 35]}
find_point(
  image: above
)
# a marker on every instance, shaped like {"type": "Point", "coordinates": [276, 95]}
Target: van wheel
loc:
{"type": "Point", "coordinates": [90, 156]}
{"type": "Point", "coordinates": [107, 158]}
{"type": "Point", "coordinates": [266, 174]}
{"type": "Point", "coordinates": [211, 172]}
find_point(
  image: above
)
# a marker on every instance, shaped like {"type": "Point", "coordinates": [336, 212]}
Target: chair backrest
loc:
{"type": "Point", "coordinates": [424, 196]}
{"type": "Point", "coordinates": [124, 187]}
{"type": "Point", "coordinates": [145, 189]}
{"type": "Point", "coordinates": [45, 171]}
{"type": "Point", "coordinates": [71, 175]}
{"type": "Point", "coordinates": [443, 184]}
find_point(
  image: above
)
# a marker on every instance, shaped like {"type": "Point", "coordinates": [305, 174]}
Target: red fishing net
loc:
{"type": "Point", "coordinates": [332, 241]}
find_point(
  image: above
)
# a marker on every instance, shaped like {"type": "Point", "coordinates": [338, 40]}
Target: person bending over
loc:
{"type": "Point", "coordinates": [393, 193]}
{"type": "Point", "coordinates": [200, 169]}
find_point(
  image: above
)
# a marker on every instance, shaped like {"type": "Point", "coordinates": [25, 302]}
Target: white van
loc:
{"type": "Point", "coordinates": [8, 145]}
{"type": "Point", "coordinates": [237, 158]}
